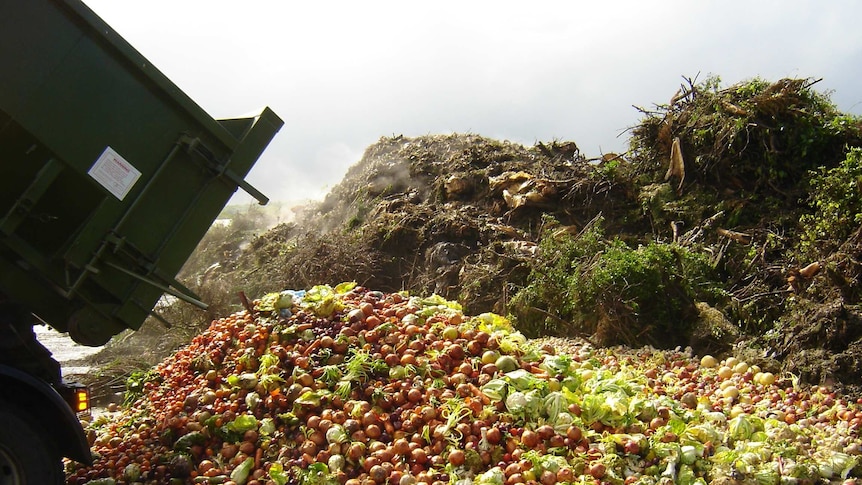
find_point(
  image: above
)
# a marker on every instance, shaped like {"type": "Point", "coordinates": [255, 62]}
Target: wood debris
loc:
{"type": "Point", "coordinates": [677, 165]}
{"type": "Point", "coordinates": [810, 271]}
{"type": "Point", "coordinates": [739, 237]}
{"type": "Point", "coordinates": [733, 109]}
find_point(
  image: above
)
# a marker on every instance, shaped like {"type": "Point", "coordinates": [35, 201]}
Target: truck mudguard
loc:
{"type": "Point", "coordinates": [38, 399]}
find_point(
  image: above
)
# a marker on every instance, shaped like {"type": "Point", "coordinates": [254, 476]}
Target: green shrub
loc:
{"type": "Point", "coordinates": [836, 197]}
{"type": "Point", "coordinates": [611, 292]}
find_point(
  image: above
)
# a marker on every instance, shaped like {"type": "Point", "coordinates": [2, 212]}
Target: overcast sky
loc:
{"type": "Point", "coordinates": [344, 73]}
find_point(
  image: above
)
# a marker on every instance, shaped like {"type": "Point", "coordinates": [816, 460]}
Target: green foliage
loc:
{"type": "Point", "coordinates": [545, 303]}
{"type": "Point", "coordinates": [748, 89]}
{"type": "Point", "coordinates": [609, 170]}
{"type": "Point", "coordinates": [136, 383]}
{"type": "Point", "coordinates": [836, 197]}
{"type": "Point", "coordinates": [753, 141]}
{"type": "Point", "coordinates": [582, 283]}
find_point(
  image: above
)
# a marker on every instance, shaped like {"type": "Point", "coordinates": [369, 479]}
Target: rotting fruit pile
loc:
{"type": "Point", "coordinates": [348, 385]}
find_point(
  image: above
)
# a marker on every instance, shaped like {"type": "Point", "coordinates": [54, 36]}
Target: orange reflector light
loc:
{"type": "Point", "coordinates": [82, 400]}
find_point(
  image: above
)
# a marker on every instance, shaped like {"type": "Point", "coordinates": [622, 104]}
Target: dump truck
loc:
{"type": "Point", "coordinates": [109, 177]}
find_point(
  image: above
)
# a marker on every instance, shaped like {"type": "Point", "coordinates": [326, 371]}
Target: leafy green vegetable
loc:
{"type": "Point", "coordinates": [437, 302]}
{"type": "Point", "coordinates": [310, 399]}
{"type": "Point", "coordinates": [241, 472]}
{"type": "Point", "coordinates": [836, 464]}
{"type": "Point", "coordinates": [555, 405]}
{"type": "Point", "coordinates": [557, 365]}
{"type": "Point", "coordinates": [136, 382]}
{"type": "Point", "coordinates": [610, 408]}
{"type": "Point", "coordinates": [545, 461]}
{"type": "Point", "coordinates": [494, 476]}
{"type": "Point", "coordinates": [688, 454]}
{"type": "Point", "coordinates": [323, 300]}
{"type": "Point", "coordinates": [277, 474]}
{"type": "Point", "coordinates": [245, 381]}
{"type": "Point", "coordinates": [267, 426]}
{"type": "Point", "coordinates": [535, 405]}
{"type": "Point", "coordinates": [767, 474]}
{"type": "Point", "coordinates": [742, 427]}
{"type": "Point", "coordinates": [272, 302]}
{"type": "Point", "coordinates": [344, 287]}
{"type": "Point", "coordinates": [269, 363]}
{"type": "Point", "coordinates": [513, 343]}
{"type": "Point", "coordinates": [316, 474]}
{"type": "Point", "coordinates": [506, 363]}
{"type": "Point", "coordinates": [270, 381]}
{"type": "Point", "coordinates": [336, 434]}
{"type": "Point", "coordinates": [702, 433]}
{"type": "Point", "coordinates": [102, 481]}
{"type": "Point", "coordinates": [252, 400]}
{"type": "Point", "coordinates": [522, 380]}
{"type": "Point", "coordinates": [358, 367]}
{"type": "Point", "coordinates": [242, 423]}
{"type": "Point", "coordinates": [495, 389]}
{"type": "Point", "coordinates": [188, 440]}
{"type": "Point", "coordinates": [336, 463]}
{"type": "Point", "coordinates": [289, 419]}
{"type": "Point", "coordinates": [493, 323]}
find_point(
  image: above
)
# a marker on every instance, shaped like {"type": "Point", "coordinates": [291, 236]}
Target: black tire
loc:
{"type": "Point", "coordinates": [26, 454]}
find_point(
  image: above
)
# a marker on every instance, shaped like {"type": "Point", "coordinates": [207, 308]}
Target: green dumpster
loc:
{"type": "Point", "coordinates": [109, 174]}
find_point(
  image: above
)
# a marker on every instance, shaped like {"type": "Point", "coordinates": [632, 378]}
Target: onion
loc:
{"type": "Point", "coordinates": [457, 457]}
{"type": "Point", "coordinates": [529, 438]}
{"type": "Point", "coordinates": [336, 434]}
{"type": "Point", "coordinates": [708, 362]}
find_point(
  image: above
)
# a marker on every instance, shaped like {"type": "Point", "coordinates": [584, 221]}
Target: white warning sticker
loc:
{"type": "Point", "coordinates": [114, 173]}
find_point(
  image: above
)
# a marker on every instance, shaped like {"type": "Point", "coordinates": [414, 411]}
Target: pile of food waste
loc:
{"type": "Point", "coordinates": [346, 385]}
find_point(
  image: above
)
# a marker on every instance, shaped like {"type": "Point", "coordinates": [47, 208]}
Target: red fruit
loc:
{"type": "Point", "coordinates": [529, 438]}
{"type": "Point", "coordinates": [545, 432]}
{"type": "Point", "coordinates": [457, 457]}
{"type": "Point", "coordinates": [419, 455]}
{"type": "Point", "coordinates": [597, 470]}
{"type": "Point", "coordinates": [574, 433]}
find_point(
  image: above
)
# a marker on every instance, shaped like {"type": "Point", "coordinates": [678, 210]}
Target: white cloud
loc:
{"type": "Point", "coordinates": [343, 74]}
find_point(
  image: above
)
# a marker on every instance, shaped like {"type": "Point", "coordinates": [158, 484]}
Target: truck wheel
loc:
{"type": "Point", "coordinates": [25, 454]}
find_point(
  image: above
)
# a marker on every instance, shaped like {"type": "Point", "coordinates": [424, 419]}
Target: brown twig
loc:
{"type": "Point", "coordinates": [246, 304]}
{"type": "Point", "coordinates": [765, 293]}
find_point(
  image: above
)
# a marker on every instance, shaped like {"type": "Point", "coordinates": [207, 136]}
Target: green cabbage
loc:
{"type": "Point", "coordinates": [267, 426]}
{"type": "Point", "coordinates": [240, 473]}
{"type": "Point", "coordinates": [523, 380]}
{"type": "Point", "coordinates": [494, 476]}
{"type": "Point", "coordinates": [555, 405]}
{"type": "Point", "coordinates": [742, 427]}
{"type": "Point", "coordinates": [242, 423]}
{"type": "Point", "coordinates": [535, 405]}
{"type": "Point", "coordinates": [323, 301]}
{"type": "Point", "coordinates": [557, 365]}
{"type": "Point", "coordinates": [495, 389]}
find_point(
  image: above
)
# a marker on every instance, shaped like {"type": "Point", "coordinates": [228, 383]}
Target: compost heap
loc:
{"type": "Point", "coordinates": [733, 226]}
{"type": "Point", "coordinates": [351, 386]}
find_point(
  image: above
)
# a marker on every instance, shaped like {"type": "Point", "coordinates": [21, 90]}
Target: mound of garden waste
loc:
{"type": "Point", "coordinates": [685, 312]}
{"type": "Point", "coordinates": [732, 225]}
{"type": "Point", "coordinates": [351, 386]}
